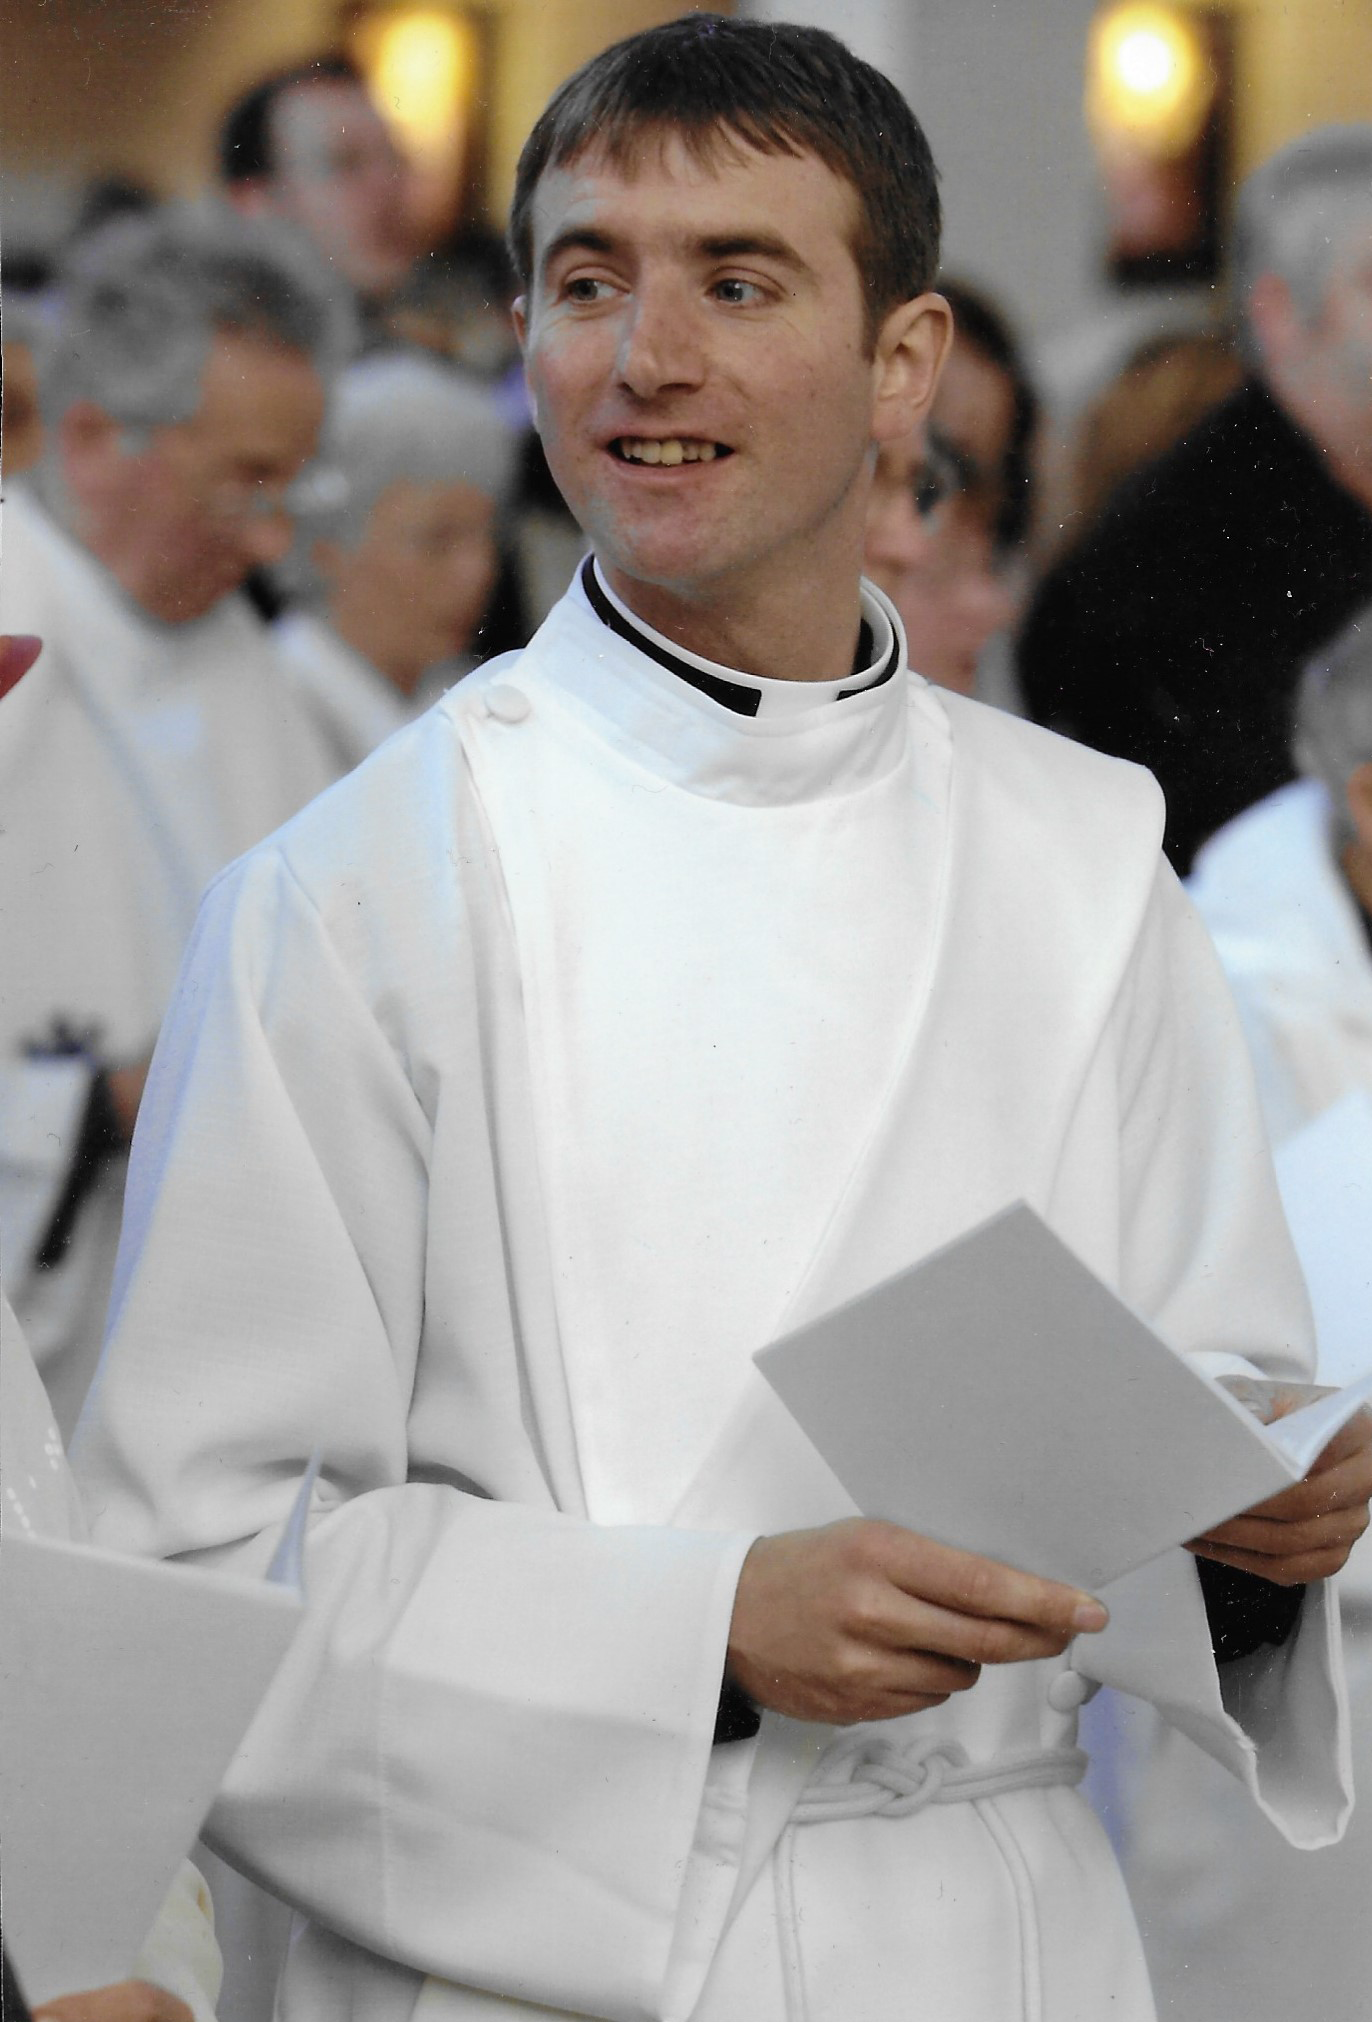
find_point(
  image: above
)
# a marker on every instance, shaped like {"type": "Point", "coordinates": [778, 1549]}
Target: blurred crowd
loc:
{"type": "Point", "coordinates": [271, 485]}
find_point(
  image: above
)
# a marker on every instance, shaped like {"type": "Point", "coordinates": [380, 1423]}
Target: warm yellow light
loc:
{"type": "Point", "coordinates": [1148, 78]}
{"type": "Point", "coordinates": [421, 64]}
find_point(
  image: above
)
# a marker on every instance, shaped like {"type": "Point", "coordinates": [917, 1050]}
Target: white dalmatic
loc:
{"type": "Point", "coordinates": [653, 1026]}
{"type": "Point", "coordinates": [1234, 1922]}
{"type": "Point", "coordinates": [136, 759]}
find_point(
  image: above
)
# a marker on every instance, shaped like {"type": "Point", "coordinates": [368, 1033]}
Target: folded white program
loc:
{"type": "Point", "coordinates": [998, 1397]}
{"type": "Point", "coordinates": [125, 1687]}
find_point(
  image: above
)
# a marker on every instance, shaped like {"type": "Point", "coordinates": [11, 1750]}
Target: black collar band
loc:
{"type": "Point", "coordinates": [735, 695]}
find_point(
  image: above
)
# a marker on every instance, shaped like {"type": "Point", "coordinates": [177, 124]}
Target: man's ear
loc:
{"type": "Point", "coordinates": [519, 316]}
{"type": "Point", "coordinates": [911, 346]}
{"type": "Point", "coordinates": [90, 446]}
{"type": "Point", "coordinates": [1275, 320]}
{"type": "Point", "coordinates": [1358, 793]}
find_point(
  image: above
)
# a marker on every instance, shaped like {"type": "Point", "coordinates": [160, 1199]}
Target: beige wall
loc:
{"type": "Point", "coordinates": [1301, 63]}
{"type": "Point", "coordinates": [90, 87]}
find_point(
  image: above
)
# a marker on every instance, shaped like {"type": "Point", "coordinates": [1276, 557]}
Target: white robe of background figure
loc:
{"type": "Point", "coordinates": [157, 737]}
{"type": "Point", "coordinates": [1235, 1924]}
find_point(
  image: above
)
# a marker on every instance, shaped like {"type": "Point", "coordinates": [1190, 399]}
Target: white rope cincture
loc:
{"type": "Point", "coordinates": [876, 1778]}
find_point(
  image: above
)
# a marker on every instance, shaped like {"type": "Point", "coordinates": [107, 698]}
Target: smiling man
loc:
{"type": "Point", "coordinates": [671, 982]}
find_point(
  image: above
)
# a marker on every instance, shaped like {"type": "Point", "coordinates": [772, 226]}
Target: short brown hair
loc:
{"type": "Point", "coordinates": [774, 86]}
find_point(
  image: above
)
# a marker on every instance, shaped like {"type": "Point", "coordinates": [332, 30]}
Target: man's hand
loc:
{"type": "Point", "coordinates": [128, 2001]}
{"type": "Point", "coordinates": [126, 1085]}
{"type": "Point", "coordinates": [18, 651]}
{"type": "Point", "coordinates": [865, 1621]}
{"type": "Point", "coordinates": [1306, 1532]}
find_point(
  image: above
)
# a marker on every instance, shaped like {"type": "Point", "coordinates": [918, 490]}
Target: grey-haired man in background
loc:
{"type": "Point", "coordinates": [183, 389]}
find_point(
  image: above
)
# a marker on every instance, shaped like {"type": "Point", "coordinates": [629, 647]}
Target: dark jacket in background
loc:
{"type": "Point", "coordinates": [1175, 633]}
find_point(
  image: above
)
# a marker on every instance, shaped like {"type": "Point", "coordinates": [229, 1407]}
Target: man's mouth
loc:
{"type": "Point", "coordinates": [666, 449]}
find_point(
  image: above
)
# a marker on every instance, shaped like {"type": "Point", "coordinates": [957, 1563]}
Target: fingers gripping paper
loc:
{"type": "Point", "coordinates": [1000, 1398]}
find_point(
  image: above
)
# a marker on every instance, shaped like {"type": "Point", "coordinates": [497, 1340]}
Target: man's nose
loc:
{"type": "Point", "coordinates": [661, 344]}
{"type": "Point", "coordinates": [267, 537]}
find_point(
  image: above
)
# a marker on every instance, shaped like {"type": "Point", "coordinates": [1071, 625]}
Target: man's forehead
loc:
{"type": "Point", "coordinates": [663, 174]}
{"type": "Point", "coordinates": [312, 120]}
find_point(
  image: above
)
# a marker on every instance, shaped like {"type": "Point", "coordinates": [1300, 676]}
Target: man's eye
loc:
{"type": "Point", "coordinates": [732, 289]}
{"type": "Point", "coordinates": [585, 288]}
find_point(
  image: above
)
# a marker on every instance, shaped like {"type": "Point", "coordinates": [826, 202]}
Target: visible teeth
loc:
{"type": "Point", "coordinates": [670, 450]}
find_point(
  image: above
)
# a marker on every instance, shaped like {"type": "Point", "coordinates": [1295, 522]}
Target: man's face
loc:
{"type": "Point", "coordinates": [695, 346]}
{"type": "Point", "coordinates": [180, 519]}
{"type": "Point", "coordinates": [1336, 361]}
{"type": "Point", "coordinates": [414, 588]}
{"type": "Point", "coordinates": [339, 176]}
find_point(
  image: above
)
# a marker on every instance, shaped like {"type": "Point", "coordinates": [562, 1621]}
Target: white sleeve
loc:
{"type": "Point", "coordinates": [181, 1952]}
{"type": "Point", "coordinates": [486, 1754]}
{"type": "Point", "coordinates": [1207, 1258]}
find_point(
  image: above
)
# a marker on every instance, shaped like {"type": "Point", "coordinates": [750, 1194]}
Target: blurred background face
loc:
{"type": "Point", "coordinates": [21, 426]}
{"type": "Point", "coordinates": [1335, 362]}
{"type": "Point", "coordinates": [936, 560]}
{"type": "Point", "coordinates": [180, 518]}
{"type": "Point", "coordinates": [974, 408]}
{"type": "Point", "coordinates": [339, 176]}
{"type": "Point", "coordinates": [414, 589]}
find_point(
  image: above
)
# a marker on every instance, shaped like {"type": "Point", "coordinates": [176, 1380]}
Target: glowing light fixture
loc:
{"type": "Point", "coordinates": [421, 64]}
{"type": "Point", "coordinates": [1149, 81]}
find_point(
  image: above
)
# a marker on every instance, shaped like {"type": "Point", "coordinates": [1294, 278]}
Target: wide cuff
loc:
{"type": "Point", "coordinates": [1277, 1720]}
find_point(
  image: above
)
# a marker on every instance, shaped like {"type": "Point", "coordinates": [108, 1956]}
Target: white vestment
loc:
{"type": "Point", "coordinates": [136, 760]}
{"type": "Point", "coordinates": [352, 704]}
{"type": "Point", "coordinates": [38, 1499]}
{"type": "Point", "coordinates": [519, 1089]}
{"type": "Point", "coordinates": [1236, 1926]}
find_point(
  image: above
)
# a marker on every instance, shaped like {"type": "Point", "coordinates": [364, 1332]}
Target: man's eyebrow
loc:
{"type": "Point", "coordinates": [758, 245]}
{"type": "Point", "coordinates": [578, 239]}
{"type": "Point", "coordinates": [715, 246]}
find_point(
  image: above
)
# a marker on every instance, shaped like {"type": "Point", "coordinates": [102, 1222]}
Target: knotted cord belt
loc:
{"type": "Point", "coordinates": [879, 1778]}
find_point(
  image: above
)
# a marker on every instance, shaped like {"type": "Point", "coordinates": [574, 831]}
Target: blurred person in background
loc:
{"type": "Point", "coordinates": [404, 562]}
{"type": "Point", "coordinates": [948, 522]}
{"type": "Point", "coordinates": [21, 423]}
{"type": "Point", "coordinates": [1165, 388]}
{"type": "Point", "coordinates": [308, 145]}
{"type": "Point", "coordinates": [1232, 1926]}
{"type": "Point", "coordinates": [40, 1500]}
{"type": "Point", "coordinates": [182, 393]}
{"type": "Point", "coordinates": [935, 558]}
{"type": "Point", "coordinates": [1174, 633]}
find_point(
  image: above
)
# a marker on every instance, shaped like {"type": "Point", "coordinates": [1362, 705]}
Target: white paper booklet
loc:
{"type": "Point", "coordinates": [999, 1397]}
{"type": "Point", "coordinates": [125, 1687]}
{"type": "Point", "coordinates": [1325, 1176]}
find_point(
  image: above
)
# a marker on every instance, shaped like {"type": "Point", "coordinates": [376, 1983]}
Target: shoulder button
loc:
{"type": "Point", "coordinates": [507, 704]}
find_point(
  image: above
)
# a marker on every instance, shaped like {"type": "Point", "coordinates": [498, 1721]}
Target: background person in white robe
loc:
{"type": "Point", "coordinates": [400, 569]}
{"type": "Point", "coordinates": [1235, 1925]}
{"type": "Point", "coordinates": [183, 388]}
{"type": "Point", "coordinates": [38, 1498]}
{"type": "Point", "coordinates": [681, 976]}
{"type": "Point", "coordinates": [177, 1974]}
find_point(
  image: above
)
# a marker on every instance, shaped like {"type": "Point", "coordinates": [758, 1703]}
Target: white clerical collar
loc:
{"type": "Point", "coordinates": [749, 694]}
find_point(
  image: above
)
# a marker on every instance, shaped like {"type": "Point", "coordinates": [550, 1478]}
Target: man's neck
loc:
{"type": "Point", "coordinates": [1342, 461]}
{"type": "Point", "coordinates": [777, 637]}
